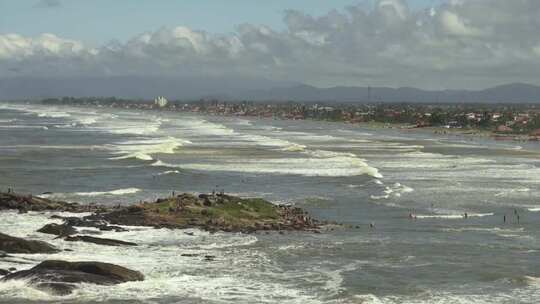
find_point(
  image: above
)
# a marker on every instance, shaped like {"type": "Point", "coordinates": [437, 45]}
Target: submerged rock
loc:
{"type": "Point", "coordinates": [12, 244]}
{"type": "Point", "coordinates": [59, 277]}
{"type": "Point", "coordinates": [99, 241]}
{"type": "Point", "coordinates": [58, 229]}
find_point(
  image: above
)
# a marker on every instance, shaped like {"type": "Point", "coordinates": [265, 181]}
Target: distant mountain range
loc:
{"type": "Point", "coordinates": [509, 93]}
{"type": "Point", "coordinates": [190, 88]}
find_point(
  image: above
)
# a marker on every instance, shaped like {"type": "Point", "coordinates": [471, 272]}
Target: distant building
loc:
{"type": "Point", "coordinates": [504, 129]}
{"type": "Point", "coordinates": [496, 116]}
{"type": "Point", "coordinates": [535, 133]}
{"type": "Point", "coordinates": [161, 101]}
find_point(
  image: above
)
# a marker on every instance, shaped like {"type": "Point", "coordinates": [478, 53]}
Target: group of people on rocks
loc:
{"type": "Point", "coordinates": [296, 216]}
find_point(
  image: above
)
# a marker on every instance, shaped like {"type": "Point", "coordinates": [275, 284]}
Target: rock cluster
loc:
{"type": "Point", "coordinates": [11, 244]}
{"type": "Point", "coordinates": [211, 212]}
{"type": "Point", "coordinates": [60, 277]}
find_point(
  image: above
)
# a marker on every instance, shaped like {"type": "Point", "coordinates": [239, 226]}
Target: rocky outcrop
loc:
{"type": "Point", "coordinates": [60, 277]}
{"type": "Point", "coordinates": [58, 229]}
{"type": "Point", "coordinates": [211, 212]}
{"type": "Point", "coordinates": [12, 244]}
{"type": "Point", "coordinates": [23, 203]}
{"type": "Point", "coordinates": [99, 241]}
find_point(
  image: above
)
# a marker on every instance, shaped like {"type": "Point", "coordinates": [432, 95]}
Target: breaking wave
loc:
{"type": "Point", "coordinates": [314, 163]}
{"type": "Point", "coordinates": [452, 216]}
{"type": "Point", "coordinates": [94, 193]}
{"type": "Point", "coordinates": [145, 148]}
{"type": "Point", "coordinates": [395, 190]}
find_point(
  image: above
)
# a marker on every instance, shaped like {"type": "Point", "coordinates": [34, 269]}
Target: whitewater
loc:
{"type": "Point", "coordinates": [339, 172]}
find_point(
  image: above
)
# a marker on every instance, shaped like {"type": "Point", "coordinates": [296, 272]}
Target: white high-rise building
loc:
{"type": "Point", "coordinates": [161, 101]}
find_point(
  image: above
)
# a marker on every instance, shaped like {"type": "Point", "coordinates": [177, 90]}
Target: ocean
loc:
{"type": "Point", "coordinates": [338, 172]}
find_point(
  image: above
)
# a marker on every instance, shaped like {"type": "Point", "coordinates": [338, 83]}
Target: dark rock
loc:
{"type": "Point", "coordinates": [57, 289]}
{"type": "Point", "coordinates": [209, 258]}
{"type": "Point", "coordinates": [12, 269]}
{"type": "Point", "coordinates": [134, 209]}
{"type": "Point", "coordinates": [59, 277]}
{"type": "Point", "coordinates": [99, 241]}
{"type": "Point", "coordinates": [12, 244]}
{"type": "Point", "coordinates": [56, 229]}
{"type": "Point", "coordinates": [111, 228]}
{"type": "Point", "coordinates": [3, 272]}
{"type": "Point", "coordinates": [92, 222]}
{"type": "Point", "coordinates": [206, 202]}
{"type": "Point", "coordinates": [24, 203]}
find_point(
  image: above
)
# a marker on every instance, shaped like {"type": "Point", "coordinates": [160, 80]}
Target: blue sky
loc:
{"type": "Point", "coordinates": [98, 21]}
{"type": "Point", "coordinates": [420, 43]}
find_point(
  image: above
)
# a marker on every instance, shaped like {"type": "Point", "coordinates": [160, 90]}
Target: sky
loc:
{"type": "Point", "coordinates": [98, 21]}
{"type": "Point", "coordinates": [432, 44]}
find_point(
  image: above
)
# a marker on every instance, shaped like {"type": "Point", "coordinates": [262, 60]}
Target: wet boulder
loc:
{"type": "Point", "coordinates": [91, 222]}
{"type": "Point", "coordinates": [10, 244]}
{"type": "Point", "coordinates": [60, 277]}
{"type": "Point", "coordinates": [58, 229]}
{"type": "Point", "coordinates": [99, 241]}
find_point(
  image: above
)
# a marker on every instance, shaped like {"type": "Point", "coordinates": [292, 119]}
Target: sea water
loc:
{"type": "Point", "coordinates": [338, 172]}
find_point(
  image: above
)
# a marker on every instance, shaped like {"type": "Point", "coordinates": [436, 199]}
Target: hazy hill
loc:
{"type": "Point", "coordinates": [188, 88]}
{"type": "Point", "coordinates": [511, 93]}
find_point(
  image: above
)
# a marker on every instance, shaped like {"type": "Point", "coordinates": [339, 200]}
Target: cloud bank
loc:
{"type": "Point", "coordinates": [459, 44]}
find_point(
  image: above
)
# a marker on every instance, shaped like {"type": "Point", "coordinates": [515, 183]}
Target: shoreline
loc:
{"type": "Point", "coordinates": [435, 130]}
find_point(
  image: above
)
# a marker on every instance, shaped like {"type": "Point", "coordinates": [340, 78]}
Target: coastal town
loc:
{"type": "Point", "coordinates": [502, 121]}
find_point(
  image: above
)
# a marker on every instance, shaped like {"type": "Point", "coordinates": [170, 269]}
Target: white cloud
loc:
{"type": "Point", "coordinates": [462, 43]}
{"type": "Point", "coordinates": [456, 25]}
{"type": "Point", "coordinates": [17, 47]}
